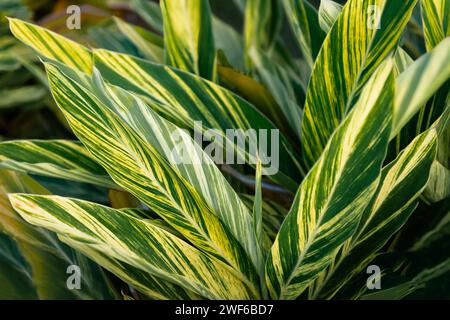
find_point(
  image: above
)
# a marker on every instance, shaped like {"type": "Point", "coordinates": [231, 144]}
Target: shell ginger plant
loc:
{"type": "Point", "coordinates": [359, 125]}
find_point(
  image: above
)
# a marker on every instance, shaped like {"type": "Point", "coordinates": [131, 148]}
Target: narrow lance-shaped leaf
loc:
{"type": "Point", "coordinates": [187, 157]}
{"type": "Point", "coordinates": [137, 166]}
{"type": "Point", "coordinates": [257, 207]}
{"type": "Point", "coordinates": [183, 98]}
{"type": "Point", "coordinates": [401, 183]}
{"type": "Point", "coordinates": [54, 158]}
{"type": "Point", "coordinates": [414, 87]}
{"type": "Point", "coordinates": [304, 21]}
{"type": "Point", "coordinates": [52, 45]}
{"type": "Point", "coordinates": [132, 241]}
{"type": "Point", "coordinates": [436, 21]}
{"type": "Point", "coordinates": [188, 36]}
{"type": "Point", "coordinates": [46, 258]}
{"type": "Point", "coordinates": [353, 49]}
{"type": "Point", "coordinates": [262, 23]}
{"type": "Point", "coordinates": [331, 199]}
{"type": "Point", "coordinates": [151, 286]}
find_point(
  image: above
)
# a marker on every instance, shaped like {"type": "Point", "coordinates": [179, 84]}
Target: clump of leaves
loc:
{"type": "Point", "coordinates": [363, 140]}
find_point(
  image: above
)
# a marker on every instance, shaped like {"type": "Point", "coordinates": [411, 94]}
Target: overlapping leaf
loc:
{"type": "Point", "coordinates": [184, 98]}
{"type": "Point", "coordinates": [136, 165]}
{"type": "Point", "coordinates": [52, 45]}
{"type": "Point", "coordinates": [304, 21]}
{"type": "Point", "coordinates": [331, 199]}
{"type": "Point", "coordinates": [188, 36]}
{"type": "Point", "coordinates": [436, 21]}
{"type": "Point", "coordinates": [53, 158]}
{"type": "Point", "coordinates": [42, 259]}
{"type": "Point", "coordinates": [329, 11]}
{"type": "Point", "coordinates": [401, 183]}
{"type": "Point", "coordinates": [353, 49]}
{"type": "Point", "coordinates": [132, 241]}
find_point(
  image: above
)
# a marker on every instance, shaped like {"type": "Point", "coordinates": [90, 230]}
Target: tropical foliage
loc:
{"type": "Point", "coordinates": [357, 94]}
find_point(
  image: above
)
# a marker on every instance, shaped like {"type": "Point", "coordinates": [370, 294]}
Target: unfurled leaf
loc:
{"type": "Point", "coordinates": [53, 158]}
{"type": "Point", "coordinates": [400, 186]}
{"type": "Point", "coordinates": [52, 45]}
{"type": "Point", "coordinates": [304, 21]}
{"type": "Point", "coordinates": [330, 201]}
{"type": "Point", "coordinates": [188, 36]}
{"type": "Point", "coordinates": [183, 99]}
{"type": "Point", "coordinates": [132, 241]}
{"type": "Point", "coordinates": [137, 166]}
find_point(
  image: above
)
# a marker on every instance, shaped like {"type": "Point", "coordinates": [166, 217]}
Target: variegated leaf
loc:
{"type": "Point", "coordinates": [137, 166]}
{"type": "Point", "coordinates": [150, 45]}
{"type": "Point", "coordinates": [436, 21]}
{"type": "Point", "coordinates": [401, 183]}
{"type": "Point", "coordinates": [304, 21]}
{"type": "Point", "coordinates": [262, 24]}
{"type": "Point", "coordinates": [351, 52]}
{"type": "Point", "coordinates": [414, 87]}
{"type": "Point", "coordinates": [54, 158]}
{"type": "Point", "coordinates": [331, 199]}
{"type": "Point", "coordinates": [45, 258]}
{"type": "Point", "coordinates": [132, 241]}
{"type": "Point", "coordinates": [188, 36]}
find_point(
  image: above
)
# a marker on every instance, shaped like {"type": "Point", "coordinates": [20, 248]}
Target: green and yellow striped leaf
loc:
{"type": "Point", "coordinates": [151, 286]}
{"type": "Point", "coordinates": [136, 165]}
{"type": "Point", "coordinates": [436, 21]}
{"type": "Point", "coordinates": [226, 37]}
{"type": "Point", "coordinates": [183, 98]}
{"type": "Point", "coordinates": [189, 160]}
{"type": "Point", "coordinates": [401, 184]}
{"type": "Point", "coordinates": [52, 45]}
{"type": "Point", "coordinates": [132, 241]}
{"type": "Point", "coordinates": [43, 257]}
{"type": "Point", "coordinates": [188, 36]}
{"type": "Point", "coordinates": [273, 215]}
{"type": "Point", "coordinates": [332, 198]}
{"type": "Point", "coordinates": [304, 21]}
{"type": "Point", "coordinates": [351, 52]}
{"type": "Point", "coordinates": [53, 158]}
